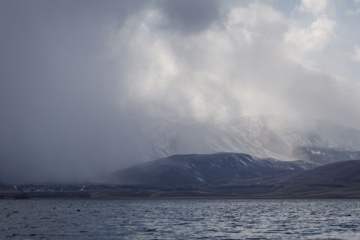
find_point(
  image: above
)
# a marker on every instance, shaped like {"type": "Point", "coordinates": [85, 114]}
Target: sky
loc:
{"type": "Point", "coordinates": [74, 73]}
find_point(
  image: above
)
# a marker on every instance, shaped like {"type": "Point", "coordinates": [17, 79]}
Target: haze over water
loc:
{"type": "Point", "coordinates": [180, 219]}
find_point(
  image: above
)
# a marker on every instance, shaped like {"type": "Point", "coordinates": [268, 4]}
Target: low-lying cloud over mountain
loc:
{"type": "Point", "coordinates": [259, 135]}
{"type": "Point", "coordinates": [76, 76]}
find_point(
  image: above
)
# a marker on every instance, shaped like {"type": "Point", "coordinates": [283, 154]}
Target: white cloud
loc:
{"type": "Point", "coordinates": [251, 61]}
{"type": "Point", "coordinates": [315, 7]}
{"type": "Point", "coordinates": [356, 54]}
{"type": "Point", "coordinates": [254, 15]}
{"type": "Point", "coordinates": [313, 38]}
{"type": "Point", "coordinates": [210, 75]}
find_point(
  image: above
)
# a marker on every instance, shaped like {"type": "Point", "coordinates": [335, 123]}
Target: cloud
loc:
{"type": "Point", "coordinates": [313, 38]}
{"type": "Point", "coordinates": [353, 12]}
{"type": "Point", "coordinates": [356, 54]}
{"type": "Point", "coordinates": [315, 7]}
{"type": "Point", "coordinates": [74, 76]}
{"type": "Point", "coordinates": [60, 121]}
{"type": "Point", "coordinates": [243, 65]}
{"type": "Point", "coordinates": [189, 16]}
{"type": "Point", "coordinates": [204, 76]}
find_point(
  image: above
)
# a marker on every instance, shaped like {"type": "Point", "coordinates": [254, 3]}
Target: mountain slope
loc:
{"type": "Point", "coordinates": [239, 175]}
{"type": "Point", "coordinates": [346, 172]}
{"type": "Point", "coordinates": [336, 180]}
{"type": "Point", "coordinates": [212, 169]}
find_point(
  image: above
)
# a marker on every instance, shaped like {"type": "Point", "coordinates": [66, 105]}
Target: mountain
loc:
{"type": "Point", "coordinates": [219, 175]}
{"type": "Point", "coordinates": [238, 175]}
{"type": "Point", "coordinates": [346, 172]}
{"type": "Point", "coordinates": [205, 169]}
{"type": "Point", "coordinates": [262, 136]}
{"type": "Point", "coordinates": [335, 180]}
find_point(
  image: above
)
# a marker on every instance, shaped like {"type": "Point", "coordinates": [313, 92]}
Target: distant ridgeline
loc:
{"type": "Point", "coordinates": [230, 175]}
{"type": "Point", "coordinates": [263, 156]}
{"type": "Point", "coordinates": [240, 175]}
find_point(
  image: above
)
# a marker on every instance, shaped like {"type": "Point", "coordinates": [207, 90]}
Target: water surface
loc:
{"type": "Point", "coordinates": [180, 219]}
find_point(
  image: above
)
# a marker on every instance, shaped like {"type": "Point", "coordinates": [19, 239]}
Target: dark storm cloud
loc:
{"type": "Point", "coordinates": [59, 120]}
{"type": "Point", "coordinates": [190, 16]}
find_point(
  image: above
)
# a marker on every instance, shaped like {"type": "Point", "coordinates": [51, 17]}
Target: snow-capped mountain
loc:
{"type": "Point", "coordinates": [261, 136]}
{"type": "Point", "coordinates": [281, 136]}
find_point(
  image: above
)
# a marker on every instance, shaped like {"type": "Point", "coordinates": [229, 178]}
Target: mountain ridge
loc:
{"type": "Point", "coordinates": [335, 180]}
{"type": "Point", "coordinates": [200, 169]}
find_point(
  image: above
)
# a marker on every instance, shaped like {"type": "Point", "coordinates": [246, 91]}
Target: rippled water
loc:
{"type": "Point", "coordinates": [180, 219]}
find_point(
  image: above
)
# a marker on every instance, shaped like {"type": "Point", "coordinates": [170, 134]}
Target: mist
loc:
{"type": "Point", "coordinates": [76, 75]}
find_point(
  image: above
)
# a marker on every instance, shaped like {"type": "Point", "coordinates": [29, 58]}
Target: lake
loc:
{"type": "Point", "coordinates": [180, 219]}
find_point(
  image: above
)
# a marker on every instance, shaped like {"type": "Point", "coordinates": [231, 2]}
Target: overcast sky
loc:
{"type": "Point", "coordinates": [72, 73]}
